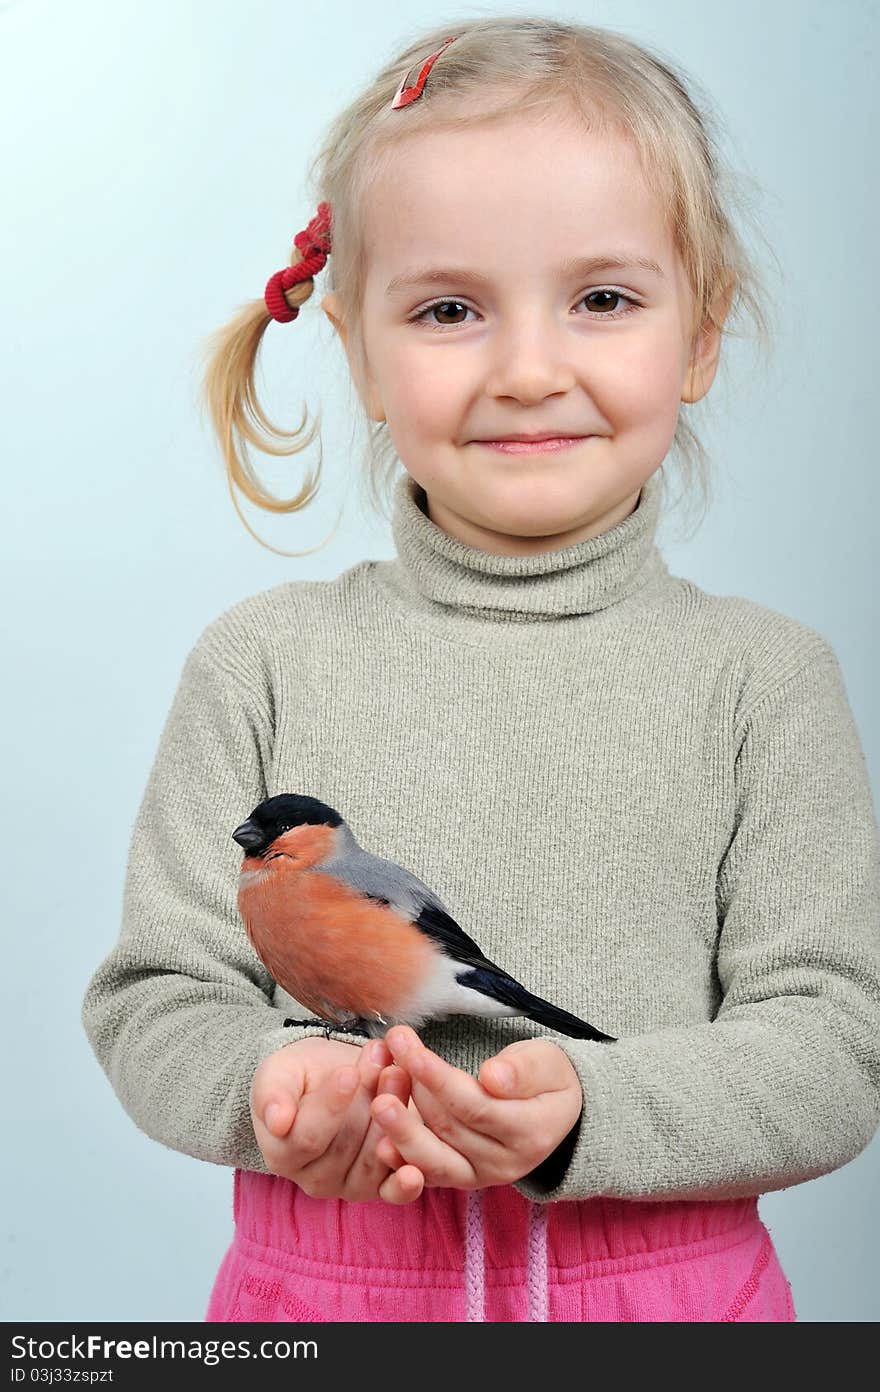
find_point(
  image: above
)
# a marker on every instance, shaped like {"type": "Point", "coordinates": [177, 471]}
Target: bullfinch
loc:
{"type": "Point", "coordinates": [359, 940]}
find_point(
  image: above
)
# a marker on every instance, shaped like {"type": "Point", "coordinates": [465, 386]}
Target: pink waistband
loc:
{"type": "Point", "coordinates": [429, 1236]}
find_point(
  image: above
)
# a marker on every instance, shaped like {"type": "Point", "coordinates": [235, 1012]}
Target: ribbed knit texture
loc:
{"type": "Point", "coordinates": [648, 803]}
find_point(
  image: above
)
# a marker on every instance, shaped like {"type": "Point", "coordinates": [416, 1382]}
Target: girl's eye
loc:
{"type": "Point", "coordinates": [460, 305]}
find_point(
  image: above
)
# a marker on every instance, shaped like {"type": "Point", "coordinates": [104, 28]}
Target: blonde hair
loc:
{"type": "Point", "coordinates": [499, 66]}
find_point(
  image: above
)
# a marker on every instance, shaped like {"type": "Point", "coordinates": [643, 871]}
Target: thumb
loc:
{"type": "Point", "coordinates": [276, 1089]}
{"type": "Point", "coordinates": [526, 1068]}
{"type": "Point", "coordinates": [279, 1114]}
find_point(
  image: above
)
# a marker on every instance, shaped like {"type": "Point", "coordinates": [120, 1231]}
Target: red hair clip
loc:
{"type": "Point", "coordinates": [405, 94]}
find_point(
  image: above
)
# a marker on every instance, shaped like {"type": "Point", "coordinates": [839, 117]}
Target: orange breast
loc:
{"type": "Point", "coordinates": [333, 950]}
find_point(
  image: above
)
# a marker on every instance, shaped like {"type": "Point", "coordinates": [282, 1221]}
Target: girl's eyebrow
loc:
{"type": "Point", "coordinates": [575, 266]}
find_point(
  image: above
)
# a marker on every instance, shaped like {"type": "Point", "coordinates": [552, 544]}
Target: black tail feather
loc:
{"type": "Point", "coordinates": [509, 992]}
{"type": "Point", "coordinates": [543, 1013]}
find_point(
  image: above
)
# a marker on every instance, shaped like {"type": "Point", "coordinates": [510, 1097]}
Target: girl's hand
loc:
{"type": "Point", "coordinates": [310, 1109]}
{"type": "Point", "coordinates": [466, 1133]}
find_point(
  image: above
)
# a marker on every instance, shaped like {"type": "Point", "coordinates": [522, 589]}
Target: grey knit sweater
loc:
{"type": "Point", "coordinates": [648, 803]}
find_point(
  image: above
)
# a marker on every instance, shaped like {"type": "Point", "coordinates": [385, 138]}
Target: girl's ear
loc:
{"type": "Point", "coordinates": [704, 360]}
{"type": "Point", "coordinates": [332, 308]}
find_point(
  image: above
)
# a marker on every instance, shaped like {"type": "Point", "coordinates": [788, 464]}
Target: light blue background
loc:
{"type": "Point", "coordinates": [154, 175]}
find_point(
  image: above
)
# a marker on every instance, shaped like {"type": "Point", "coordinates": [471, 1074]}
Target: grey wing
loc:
{"type": "Point", "coordinates": [408, 895]}
{"type": "Point", "coordinates": [382, 879]}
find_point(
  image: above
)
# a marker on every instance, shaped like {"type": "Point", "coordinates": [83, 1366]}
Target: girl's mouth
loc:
{"type": "Point", "coordinates": [532, 446]}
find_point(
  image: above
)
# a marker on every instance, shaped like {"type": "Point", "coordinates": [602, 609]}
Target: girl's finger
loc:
{"type": "Point", "coordinates": [368, 1167]}
{"type": "Point", "coordinates": [478, 1147]}
{"type": "Point", "coordinates": [341, 1116]}
{"type": "Point", "coordinates": [440, 1164]}
{"type": "Point", "coordinates": [528, 1068]}
{"type": "Point", "coordinates": [320, 1116]}
{"type": "Point", "coordinates": [388, 1153]}
{"type": "Point", "coordinates": [374, 1057]}
{"type": "Point", "coordinates": [403, 1186]}
{"type": "Point", "coordinates": [395, 1082]}
{"type": "Point", "coordinates": [459, 1095]}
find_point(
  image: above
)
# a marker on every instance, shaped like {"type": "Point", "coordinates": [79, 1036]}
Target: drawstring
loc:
{"type": "Point", "coordinates": [475, 1261]}
{"type": "Point", "coordinates": [536, 1272]}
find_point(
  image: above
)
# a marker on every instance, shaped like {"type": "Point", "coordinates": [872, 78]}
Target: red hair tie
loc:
{"type": "Point", "coordinates": [404, 94]}
{"type": "Point", "coordinates": [315, 245]}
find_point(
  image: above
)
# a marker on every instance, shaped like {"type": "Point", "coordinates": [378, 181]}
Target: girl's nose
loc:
{"type": "Point", "coordinates": [530, 361]}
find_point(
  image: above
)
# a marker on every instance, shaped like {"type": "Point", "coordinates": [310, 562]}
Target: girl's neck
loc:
{"type": "Point", "coordinates": [478, 594]}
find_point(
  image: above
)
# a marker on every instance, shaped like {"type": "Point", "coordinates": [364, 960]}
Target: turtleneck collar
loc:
{"type": "Point", "coordinates": [441, 576]}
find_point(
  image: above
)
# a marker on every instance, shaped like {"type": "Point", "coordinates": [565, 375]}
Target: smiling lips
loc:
{"type": "Point", "coordinates": [535, 445]}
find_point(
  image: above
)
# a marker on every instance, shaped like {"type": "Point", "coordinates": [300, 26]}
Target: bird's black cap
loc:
{"type": "Point", "coordinates": [277, 815]}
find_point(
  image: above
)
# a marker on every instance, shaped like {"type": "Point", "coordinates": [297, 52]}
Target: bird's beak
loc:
{"type": "Point", "coordinates": [251, 839]}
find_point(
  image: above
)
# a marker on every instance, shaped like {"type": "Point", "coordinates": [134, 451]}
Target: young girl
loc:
{"type": "Point", "coordinates": [646, 802]}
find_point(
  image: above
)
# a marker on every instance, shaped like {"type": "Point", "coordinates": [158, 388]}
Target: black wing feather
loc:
{"type": "Point", "coordinates": [442, 928]}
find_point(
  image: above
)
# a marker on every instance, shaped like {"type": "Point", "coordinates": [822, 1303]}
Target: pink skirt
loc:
{"type": "Point", "coordinates": [451, 1257]}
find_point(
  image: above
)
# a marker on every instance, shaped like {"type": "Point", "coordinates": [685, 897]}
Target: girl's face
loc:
{"type": "Point", "coordinates": [475, 328]}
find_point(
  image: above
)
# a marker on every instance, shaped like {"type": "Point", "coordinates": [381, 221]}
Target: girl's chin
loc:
{"type": "Point", "coordinates": [554, 532]}
{"type": "Point", "coordinates": [534, 514]}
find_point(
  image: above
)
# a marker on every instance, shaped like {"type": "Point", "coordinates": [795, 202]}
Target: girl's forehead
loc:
{"type": "Point", "coordinates": [535, 150]}
{"type": "Point", "coordinates": [493, 191]}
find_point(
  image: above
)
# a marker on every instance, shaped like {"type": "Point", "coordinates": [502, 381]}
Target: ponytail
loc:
{"type": "Point", "coordinates": [229, 387]}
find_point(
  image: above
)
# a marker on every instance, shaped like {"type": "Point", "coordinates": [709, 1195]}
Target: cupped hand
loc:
{"type": "Point", "coordinates": [469, 1133]}
{"type": "Point", "coordinates": [310, 1109]}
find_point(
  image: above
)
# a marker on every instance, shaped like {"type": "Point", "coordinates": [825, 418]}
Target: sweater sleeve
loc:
{"type": "Point", "coordinates": [784, 1084]}
{"type": "Point", "coordinates": [180, 1012]}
